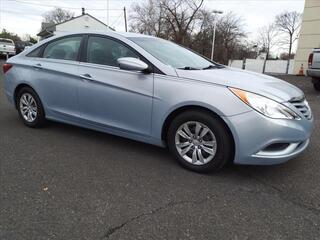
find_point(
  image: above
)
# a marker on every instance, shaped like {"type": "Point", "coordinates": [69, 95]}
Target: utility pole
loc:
{"type": "Point", "coordinates": [216, 12]}
{"type": "Point", "coordinates": [125, 18]}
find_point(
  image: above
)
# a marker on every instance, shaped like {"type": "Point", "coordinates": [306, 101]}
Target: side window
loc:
{"type": "Point", "coordinates": [66, 49]}
{"type": "Point", "coordinates": [106, 51]}
{"type": "Point", "coordinates": [35, 53]}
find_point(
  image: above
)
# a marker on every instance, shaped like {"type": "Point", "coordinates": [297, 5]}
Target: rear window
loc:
{"type": "Point", "coordinates": [6, 41]}
{"type": "Point", "coordinates": [35, 53]}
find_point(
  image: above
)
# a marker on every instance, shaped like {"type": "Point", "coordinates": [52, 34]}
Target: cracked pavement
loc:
{"type": "Point", "coordinates": [64, 182]}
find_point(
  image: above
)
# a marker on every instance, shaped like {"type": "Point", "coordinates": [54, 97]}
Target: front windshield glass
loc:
{"type": "Point", "coordinates": [172, 54]}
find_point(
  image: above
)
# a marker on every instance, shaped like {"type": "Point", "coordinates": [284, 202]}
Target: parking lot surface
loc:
{"type": "Point", "coordinates": [65, 182]}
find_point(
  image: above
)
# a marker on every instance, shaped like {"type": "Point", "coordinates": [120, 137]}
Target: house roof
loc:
{"type": "Point", "coordinates": [48, 29]}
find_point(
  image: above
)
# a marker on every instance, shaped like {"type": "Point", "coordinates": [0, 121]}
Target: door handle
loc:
{"type": "Point", "coordinates": [86, 76]}
{"type": "Point", "coordinates": [37, 66]}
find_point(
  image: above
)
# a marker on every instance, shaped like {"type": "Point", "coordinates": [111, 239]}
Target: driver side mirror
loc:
{"type": "Point", "coordinates": [132, 64]}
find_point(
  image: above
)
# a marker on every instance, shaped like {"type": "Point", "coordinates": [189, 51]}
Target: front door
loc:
{"type": "Point", "coordinates": [111, 97]}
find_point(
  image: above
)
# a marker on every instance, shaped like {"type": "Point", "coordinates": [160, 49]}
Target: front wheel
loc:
{"type": "Point", "coordinates": [200, 141]}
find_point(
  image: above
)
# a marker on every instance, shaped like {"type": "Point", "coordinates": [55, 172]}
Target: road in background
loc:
{"type": "Point", "coordinates": [65, 182]}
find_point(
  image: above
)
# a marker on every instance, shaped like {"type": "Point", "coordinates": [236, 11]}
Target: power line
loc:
{"type": "Point", "coordinates": [83, 0]}
{"type": "Point", "coordinates": [71, 8]}
{"type": "Point", "coordinates": [204, 0]}
{"type": "Point", "coordinates": [115, 21]}
{"type": "Point", "coordinates": [17, 12]}
{"type": "Point", "coordinates": [39, 15]}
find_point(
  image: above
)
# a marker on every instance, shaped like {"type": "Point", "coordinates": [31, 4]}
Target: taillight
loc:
{"type": "Point", "coordinates": [310, 59]}
{"type": "Point", "coordinates": [6, 67]}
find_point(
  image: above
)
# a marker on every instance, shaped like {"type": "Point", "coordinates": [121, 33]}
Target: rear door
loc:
{"type": "Point", "coordinates": [57, 80]}
{"type": "Point", "coordinates": [112, 97]}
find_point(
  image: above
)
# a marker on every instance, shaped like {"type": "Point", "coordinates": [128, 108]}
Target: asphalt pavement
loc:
{"type": "Point", "coordinates": [65, 182]}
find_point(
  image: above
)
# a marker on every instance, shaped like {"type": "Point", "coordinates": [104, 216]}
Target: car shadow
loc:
{"type": "Point", "coordinates": [149, 151]}
{"type": "Point", "coordinates": [142, 151]}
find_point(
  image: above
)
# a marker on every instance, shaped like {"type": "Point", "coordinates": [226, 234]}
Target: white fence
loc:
{"type": "Point", "coordinates": [256, 65]}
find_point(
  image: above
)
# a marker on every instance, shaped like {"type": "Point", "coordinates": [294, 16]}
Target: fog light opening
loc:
{"type": "Point", "coordinates": [275, 147]}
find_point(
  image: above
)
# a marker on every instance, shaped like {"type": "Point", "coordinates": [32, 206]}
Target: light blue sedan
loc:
{"type": "Point", "coordinates": [154, 91]}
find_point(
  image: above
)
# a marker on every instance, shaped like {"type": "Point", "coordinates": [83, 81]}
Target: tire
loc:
{"type": "Point", "coordinates": [316, 84]}
{"type": "Point", "coordinates": [27, 96]}
{"type": "Point", "coordinates": [220, 153]}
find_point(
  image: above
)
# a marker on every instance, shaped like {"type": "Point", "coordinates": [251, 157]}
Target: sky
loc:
{"type": "Point", "coordinates": [24, 16]}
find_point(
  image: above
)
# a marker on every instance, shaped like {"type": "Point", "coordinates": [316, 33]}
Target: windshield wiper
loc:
{"type": "Point", "coordinates": [208, 67]}
{"type": "Point", "coordinates": [213, 67]}
{"type": "Point", "coordinates": [189, 68]}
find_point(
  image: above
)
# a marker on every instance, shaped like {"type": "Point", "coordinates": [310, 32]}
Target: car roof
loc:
{"type": "Point", "coordinates": [107, 33]}
{"type": "Point", "coordinates": [131, 34]}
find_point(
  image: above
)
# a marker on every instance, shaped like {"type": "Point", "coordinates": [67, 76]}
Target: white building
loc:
{"type": "Point", "coordinates": [82, 22]}
{"type": "Point", "coordinates": [309, 34]}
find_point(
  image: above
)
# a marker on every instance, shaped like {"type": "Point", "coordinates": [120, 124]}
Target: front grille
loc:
{"type": "Point", "coordinates": [302, 106]}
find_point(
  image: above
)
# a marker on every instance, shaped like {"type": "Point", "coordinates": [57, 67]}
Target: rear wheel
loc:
{"type": "Point", "coordinates": [200, 141]}
{"type": "Point", "coordinates": [30, 108]}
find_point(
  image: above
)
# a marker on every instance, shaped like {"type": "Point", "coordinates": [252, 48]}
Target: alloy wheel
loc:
{"type": "Point", "coordinates": [196, 143]}
{"type": "Point", "coordinates": [28, 107]}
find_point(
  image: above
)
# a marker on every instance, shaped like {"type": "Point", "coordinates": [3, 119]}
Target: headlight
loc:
{"type": "Point", "coordinates": [266, 106]}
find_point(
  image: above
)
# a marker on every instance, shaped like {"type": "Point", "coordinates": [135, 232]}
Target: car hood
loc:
{"type": "Point", "coordinates": [270, 87]}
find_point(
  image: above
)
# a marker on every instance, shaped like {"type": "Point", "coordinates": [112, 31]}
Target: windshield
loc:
{"type": "Point", "coordinates": [172, 54]}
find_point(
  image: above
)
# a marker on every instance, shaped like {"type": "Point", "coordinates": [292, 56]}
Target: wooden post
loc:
{"type": "Point", "coordinates": [244, 63]}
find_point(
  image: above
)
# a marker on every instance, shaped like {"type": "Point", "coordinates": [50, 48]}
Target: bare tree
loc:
{"type": "Point", "coordinates": [57, 15]}
{"type": "Point", "coordinates": [267, 39]}
{"type": "Point", "coordinates": [187, 22]}
{"type": "Point", "coordinates": [181, 15]}
{"type": "Point", "coordinates": [202, 39]}
{"type": "Point", "coordinates": [289, 23]}
{"type": "Point", "coordinates": [170, 19]}
{"type": "Point", "coordinates": [230, 33]}
{"type": "Point", "coordinates": [148, 18]}
{"type": "Point", "coordinates": [229, 36]}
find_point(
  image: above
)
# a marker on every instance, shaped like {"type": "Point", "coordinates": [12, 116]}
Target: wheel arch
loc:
{"type": "Point", "coordinates": [18, 88]}
{"type": "Point", "coordinates": [186, 108]}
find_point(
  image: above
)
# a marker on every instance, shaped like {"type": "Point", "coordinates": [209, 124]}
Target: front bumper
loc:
{"type": "Point", "coordinates": [255, 135]}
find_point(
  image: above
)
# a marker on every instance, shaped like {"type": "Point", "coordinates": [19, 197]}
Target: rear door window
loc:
{"type": "Point", "coordinates": [65, 49]}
